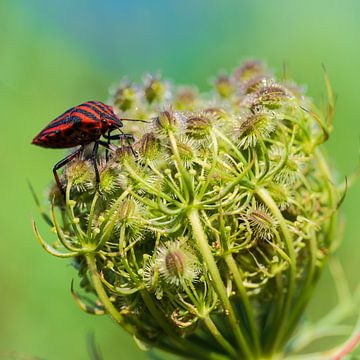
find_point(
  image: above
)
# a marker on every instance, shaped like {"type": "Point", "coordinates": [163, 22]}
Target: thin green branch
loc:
{"type": "Point", "coordinates": [203, 247]}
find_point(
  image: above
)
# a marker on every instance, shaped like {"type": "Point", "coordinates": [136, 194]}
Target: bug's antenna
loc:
{"type": "Point", "coordinates": [126, 119]}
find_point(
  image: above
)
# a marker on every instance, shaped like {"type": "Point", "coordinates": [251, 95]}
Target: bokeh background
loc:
{"type": "Point", "coordinates": [55, 54]}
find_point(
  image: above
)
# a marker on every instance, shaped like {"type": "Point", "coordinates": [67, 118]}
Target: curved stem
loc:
{"type": "Point", "coordinates": [49, 248]}
{"type": "Point", "coordinates": [189, 189]}
{"type": "Point", "coordinates": [98, 286]}
{"type": "Point", "coordinates": [220, 338]}
{"type": "Point", "coordinates": [331, 191]}
{"type": "Point", "coordinates": [203, 247]}
{"type": "Point", "coordinates": [92, 209]}
{"type": "Point", "coordinates": [281, 327]}
{"type": "Point", "coordinates": [307, 288]}
{"type": "Point", "coordinates": [244, 299]}
{"type": "Point", "coordinates": [185, 346]}
{"type": "Point", "coordinates": [312, 276]}
{"type": "Point", "coordinates": [232, 145]}
{"type": "Point", "coordinates": [150, 188]}
{"type": "Point", "coordinates": [70, 210]}
{"type": "Point", "coordinates": [60, 233]}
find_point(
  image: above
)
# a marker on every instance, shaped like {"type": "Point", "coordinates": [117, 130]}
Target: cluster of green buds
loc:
{"type": "Point", "coordinates": [212, 227]}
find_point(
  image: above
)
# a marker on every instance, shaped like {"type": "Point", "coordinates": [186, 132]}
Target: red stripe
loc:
{"type": "Point", "coordinates": [61, 127]}
{"type": "Point", "coordinates": [86, 120]}
{"type": "Point", "coordinates": [61, 117]}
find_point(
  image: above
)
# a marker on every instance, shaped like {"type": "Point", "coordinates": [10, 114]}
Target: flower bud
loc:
{"type": "Point", "coordinates": [187, 149]}
{"type": "Point", "coordinates": [198, 126]}
{"type": "Point", "coordinates": [111, 179]}
{"type": "Point", "coordinates": [149, 146]}
{"type": "Point", "coordinates": [254, 127]}
{"type": "Point", "coordinates": [80, 173]}
{"type": "Point", "coordinates": [154, 89]}
{"type": "Point", "coordinates": [272, 96]}
{"type": "Point", "coordinates": [177, 263]}
{"type": "Point", "coordinates": [166, 120]}
{"type": "Point", "coordinates": [124, 97]}
{"type": "Point", "coordinates": [261, 222]}
{"type": "Point", "coordinates": [185, 99]}
{"type": "Point", "coordinates": [249, 70]}
{"type": "Point", "coordinates": [223, 86]}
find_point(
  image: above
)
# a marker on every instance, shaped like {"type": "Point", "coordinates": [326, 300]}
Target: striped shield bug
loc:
{"type": "Point", "coordinates": [79, 126]}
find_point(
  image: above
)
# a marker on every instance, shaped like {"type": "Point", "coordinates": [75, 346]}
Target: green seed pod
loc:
{"type": "Point", "coordinates": [254, 127]}
{"type": "Point", "coordinates": [185, 98]}
{"type": "Point", "coordinates": [124, 97]}
{"type": "Point", "coordinates": [272, 96]}
{"type": "Point", "coordinates": [177, 263]}
{"type": "Point", "coordinates": [111, 179]}
{"type": "Point", "coordinates": [249, 70]}
{"type": "Point", "coordinates": [223, 86]}
{"type": "Point", "coordinates": [149, 147]}
{"type": "Point", "coordinates": [166, 121]}
{"type": "Point", "coordinates": [198, 126]}
{"type": "Point", "coordinates": [154, 89]}
{"type": "Point", "coordinates": [80, 174]}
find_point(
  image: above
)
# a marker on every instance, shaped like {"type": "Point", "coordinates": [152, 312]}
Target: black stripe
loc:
{"type": "Point", "coordinates": [100, 105]}
{"type": "Point", "coordinates": [75, 119]}
{"type": "Point", "coordinates": [55, 123]}
{"type": "Point", "coordinates": [68, 120]}
{"type": "Point", "coordinates": [103, 107]}
{"type": "Point", "coordinates": [87, 114]}
{"type": "Point", "coordinates": [110, 115]}
{"type": "Point", "coordinates": [93, 108]}
{"type": "Point", "coordinates": [51, 132]}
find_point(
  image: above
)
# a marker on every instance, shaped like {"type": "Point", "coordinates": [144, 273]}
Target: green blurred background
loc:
{"type": "Point", "coordinates": [55, 54]}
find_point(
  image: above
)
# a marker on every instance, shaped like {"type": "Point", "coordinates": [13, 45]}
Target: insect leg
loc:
{"type": "Point", "coordinates": [63, 162]}
{"type": "Point", "coordinates": [127, 137]}
{"type": "Point", "coordinates": [109, 137]}
{"type": "Point", "coordinates": [108, 145]}
{"type": "Point", "coordinates": [94, 161]}
{"type": "Point", "coordinates": [104, 144]}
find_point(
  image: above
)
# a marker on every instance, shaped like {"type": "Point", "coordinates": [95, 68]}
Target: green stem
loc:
{"type": "Point", "coordinates": [169, 181]}
{"type": "Point", "coordinates": [219, 338]}
{"type": "Point", "coordinates": [280, 329]}
{"type": "Point", "coordinates": [201, 191]}
{"type": "Point", "coordinates": [244, 298]}
{"type": "Point", "coordinates": [184, 173]}
{"type": "Point", "coordinates": [98, 286]}
{"type": "Point", "coordinates": [149, 188]}
{"type": "Point", "coordinates": [91, 216]}
{"type": "Point", "coordinates": [77, 229]}
{"type": "Point", "coordinates": [232, 145]}
{"type": "Point", "coordinates": [331, 191]}
{"type": "Point", "coordinates": [203, 247]}
{"type": "Point", "coordinates": [191, 349]}
{"type": "Point", "coordinates": [306, 291]}
{"type": "Point", "coordinates": [313, 275]}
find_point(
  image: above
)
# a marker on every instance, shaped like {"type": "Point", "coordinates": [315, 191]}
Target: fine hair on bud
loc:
{"type": "Point", "coordinates": [177, 263]}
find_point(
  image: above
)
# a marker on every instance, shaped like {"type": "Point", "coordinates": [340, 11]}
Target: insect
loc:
{"type": "Point", "coordinates": [80, 126]}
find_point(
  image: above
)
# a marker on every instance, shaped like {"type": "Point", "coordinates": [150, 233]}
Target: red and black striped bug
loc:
{"type": "Point", "coordinates": [80, 126]}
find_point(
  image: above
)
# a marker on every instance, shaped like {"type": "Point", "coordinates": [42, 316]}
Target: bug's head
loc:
{"type": "Point", "coordinates": [111, 121]}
